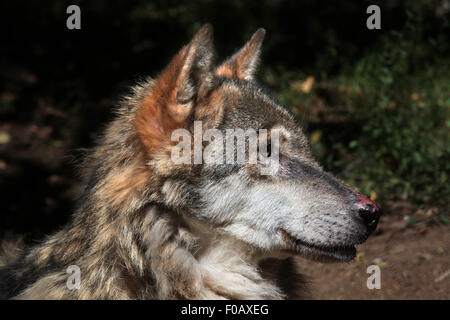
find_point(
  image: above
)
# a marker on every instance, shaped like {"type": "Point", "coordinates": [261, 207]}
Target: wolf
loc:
{"type": "Point", "coordinates": [148, 228]}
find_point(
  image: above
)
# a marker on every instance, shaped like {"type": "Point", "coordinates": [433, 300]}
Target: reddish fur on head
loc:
{"type": "Point", "coordinates": [169, 103]}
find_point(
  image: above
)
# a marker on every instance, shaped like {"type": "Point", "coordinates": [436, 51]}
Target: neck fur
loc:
{"type": "Point", "coordinates": [188, 260]}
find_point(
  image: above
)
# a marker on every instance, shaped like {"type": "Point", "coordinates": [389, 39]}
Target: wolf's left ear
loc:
{"type": "Point", "coordinates": [174, 94]}
{"type": "Point", "coordinates": [196, 71]}
{"type": "Point", "coordinates": [243, 64]}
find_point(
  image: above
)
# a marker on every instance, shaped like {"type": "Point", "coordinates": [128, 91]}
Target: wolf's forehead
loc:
{"type": "Point", "coordinates": [248, 105]}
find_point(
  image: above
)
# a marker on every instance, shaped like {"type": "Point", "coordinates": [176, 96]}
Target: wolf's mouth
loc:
{"type": "Point", "coordinates": [324, 253]}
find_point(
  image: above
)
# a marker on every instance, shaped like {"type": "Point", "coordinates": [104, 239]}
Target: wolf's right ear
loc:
{"type": "Point", "coordinates": [184, 82]}
{"type": "Point", "coordinates": [243, 64]}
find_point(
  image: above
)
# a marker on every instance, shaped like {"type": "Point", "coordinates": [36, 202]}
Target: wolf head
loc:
{"type": "Point", "coordinates": [292, 207]}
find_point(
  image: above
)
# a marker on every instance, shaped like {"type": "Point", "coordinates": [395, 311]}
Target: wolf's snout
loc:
{"type": "Point", "coordinates": [369, 211]}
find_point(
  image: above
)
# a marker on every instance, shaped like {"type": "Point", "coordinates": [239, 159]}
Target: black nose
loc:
{"type": "Point", "coordinates": [369, 211]}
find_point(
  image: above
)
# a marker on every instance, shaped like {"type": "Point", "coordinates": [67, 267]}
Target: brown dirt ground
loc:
{"type": "Point", "coordinates": [414, 264]}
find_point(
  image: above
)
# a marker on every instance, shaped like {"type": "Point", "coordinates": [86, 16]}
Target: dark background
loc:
{"type": "Point", "coordinates": [375, 103]}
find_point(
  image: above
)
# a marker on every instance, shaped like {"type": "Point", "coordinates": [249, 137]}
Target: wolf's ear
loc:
{"type": "Point", "coordinates": [171, 99]}
{"type": "Point", "coordinates": [242, 64]}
